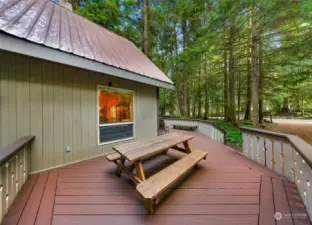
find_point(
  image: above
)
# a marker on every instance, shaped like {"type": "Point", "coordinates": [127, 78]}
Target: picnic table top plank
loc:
{"type": "Point", "coordinates": [144, 142]}
{"type": "Point", "coordinates": [145, 148]}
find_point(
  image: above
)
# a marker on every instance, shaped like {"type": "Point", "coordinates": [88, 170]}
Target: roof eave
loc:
{"type": "Point", "coordinates": [17, 45]}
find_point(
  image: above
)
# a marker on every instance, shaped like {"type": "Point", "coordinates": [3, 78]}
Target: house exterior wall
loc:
{"type": "Point", "coordinates": [58, 104]}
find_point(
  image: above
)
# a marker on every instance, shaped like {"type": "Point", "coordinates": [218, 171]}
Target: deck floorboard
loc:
{"type": "Point", "coordinates": [226, 189]}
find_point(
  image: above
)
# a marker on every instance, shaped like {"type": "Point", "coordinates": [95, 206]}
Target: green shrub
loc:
{"type": "Point", "coordinates": [233, 134]}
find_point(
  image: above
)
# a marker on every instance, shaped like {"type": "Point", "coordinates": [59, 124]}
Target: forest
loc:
{"type": "Point", "coordinates": [234, 59]}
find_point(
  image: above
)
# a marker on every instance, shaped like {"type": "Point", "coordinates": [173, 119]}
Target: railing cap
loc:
{"type": "Point", "coordinates": [8, 151]}
{"type": "Point", "coordinates": [197, 120]}
{"type": "Point", "coordinates": [302, 147]}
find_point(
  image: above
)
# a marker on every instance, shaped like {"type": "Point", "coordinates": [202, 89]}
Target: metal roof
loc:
{"type": "Point", "coordinates": [46, 23]}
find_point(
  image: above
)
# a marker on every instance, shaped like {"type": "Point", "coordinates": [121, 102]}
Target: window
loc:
{"type": "Point", "coordinates": [115, 114]}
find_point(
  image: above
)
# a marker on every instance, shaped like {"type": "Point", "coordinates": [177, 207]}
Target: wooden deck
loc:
{"type": "Point", "coordinates": [226, 189]}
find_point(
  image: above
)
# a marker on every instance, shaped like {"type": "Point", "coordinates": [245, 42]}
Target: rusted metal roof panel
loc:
{"type": "Point", "coordinates": [49, 24]}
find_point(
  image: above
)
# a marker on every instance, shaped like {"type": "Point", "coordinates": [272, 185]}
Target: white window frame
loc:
{"type": "Point", "coordinates": [101, 87]}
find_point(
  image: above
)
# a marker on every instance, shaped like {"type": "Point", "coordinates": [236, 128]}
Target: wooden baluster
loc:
{"type": "Point", "coordinates": [300, 177]}
{"type": "Point", "coordinates": [7, 175]}
{"type": "Point", "coordinates": [16, 174]}
{"type": "Point", "coordinates": [282, 158]}
{"type": "Point", "coordinates": [264, 152]}
{"type": "Point", "coordinates": [21, 180]}
{"type": "Point", "coordinates": [251, 147]}
{"type": "Point", "coordinates": [309, 195]}
{"type": "Point", "coordinates": [293, 164]}
{"type": "Point", "coordinates": [258, 149]}
{"type": "Point", "coordinates": [220, 136]}
{"type": "Point", "coordinates": [305, 202]}
{"type": "Point", "coordinates": [12, 182]}
{"type": "Point", "coordinates": [1, 195]}
{"type": "Point", "coordinates": [273, 156]}
{"type": "Point", "coordinates": [247, 145]}
{"type": "Point", "coordinates": [215, 134]}
{"type": "Point", "coordinates": [288, 160]}
{"type": "Point", "coordinates": [305, 174]}
{"type": "Point", "coordinates": [24, 164]}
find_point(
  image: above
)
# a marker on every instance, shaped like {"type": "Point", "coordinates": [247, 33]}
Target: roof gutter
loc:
{"type": "Point", "coordinates": [20, 46]}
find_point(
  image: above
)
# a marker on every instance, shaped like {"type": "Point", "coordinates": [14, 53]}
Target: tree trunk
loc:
{"type": "Point", "coordinates": [145, 28]}
{"type": "Point", "coordinates": [185, 83]}
{"type": "Point", "coordinates": [302, 106]}
{"type": "Point", "coordinates": [194, 101]}
{"type": "Point", "coordinates": [75, 4]}
{"type": "Point", "coordinates": [254, 74]}
{"type": "Point", "coordinates": [179, 97]}
{"type": "Point", "coordinates": [199, 115]}
{"type": "Point", "coordinates": [261, 76]}
{"type": "Point", "coordinates": [248, 97]}
{"type": "Point", "coordinates": [225, 77]}
{"type": "Point", "coordinates": [238, 95]}
{"type": "Point", "coordinates": [206, 116]}
{"type": "Point", "coordinates": [231, 108]}
{"type": "Point", "coordinates": [285, 107]}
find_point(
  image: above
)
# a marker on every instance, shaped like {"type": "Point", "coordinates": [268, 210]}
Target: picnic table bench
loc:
{"type": "Point", "coordinates": [185, 127]}
{"type": "Point", "coordinates": [136, 151]}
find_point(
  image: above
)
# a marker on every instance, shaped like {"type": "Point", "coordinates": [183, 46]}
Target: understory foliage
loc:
{"type": "Point", "coordinates": [233, 133]}
{"type": "Point", "coordinates": [229, 58]}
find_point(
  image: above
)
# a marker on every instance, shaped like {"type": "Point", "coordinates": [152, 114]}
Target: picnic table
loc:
{"type": "Point", "coordinates": [135, 152]}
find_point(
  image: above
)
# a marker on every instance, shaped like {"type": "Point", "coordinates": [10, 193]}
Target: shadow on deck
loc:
{"type": "Point", "coordinates": [226, 189]}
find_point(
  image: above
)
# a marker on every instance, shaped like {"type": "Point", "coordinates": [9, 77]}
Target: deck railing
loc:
{"type": "Point", "coordinates": [203, 126]}
{"type": "Point", "coordinates": [14, 170]}
{"type": "Point", "coordinates": [286, 154]}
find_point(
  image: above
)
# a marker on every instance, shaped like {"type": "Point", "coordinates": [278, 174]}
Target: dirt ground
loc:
{"type": "Point", "coordinates": [301, 128]}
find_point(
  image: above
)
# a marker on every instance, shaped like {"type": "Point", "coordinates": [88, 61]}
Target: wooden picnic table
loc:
{"type": "Point", "coordinates": [136, 151]}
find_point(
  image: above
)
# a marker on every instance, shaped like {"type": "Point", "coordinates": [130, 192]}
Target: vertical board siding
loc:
{"type": "Point", "coordinates": [92, 115]}
{"type": "Point", "coordinates": [84, 114]}
{"type": "Point", "coordinates": [20, 67]}
{"type": "Point", "coordinates": [91, 112]}
{"type": "Point", "coordinates": [146, 115]}
{"type": "Point", "coordinates": [36, 116]}
{"type": "Point", "coordinates": [58, 104]}
{"type": "Point", "coordinates": [47, 113]}
{"type": "Point", "coordinates": [12, 98]}
{"type": "Point", "coordinates": [5, 140]}
{"type": "Point", "coordinates": [68, 112]}
{"type": "Point", "coordinates": [58, 119]}
{"type": "Point", "coordinates": [77, 116]}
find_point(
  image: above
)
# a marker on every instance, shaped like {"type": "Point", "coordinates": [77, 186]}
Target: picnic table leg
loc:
{"type": "Point", "coordinates": [119, 168]}
{"type": "Point", "coordinates": [187, 147]}
{"type": "Point", "coordinates": [148, 205]}
{"type": "Point", "coordinates": [139, 170]}
{"type": "Point", "coordinates": [165, 152]}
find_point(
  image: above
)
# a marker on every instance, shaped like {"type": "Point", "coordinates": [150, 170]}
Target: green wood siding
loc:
{"type": "Point", "coordinates": [58, 105]}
